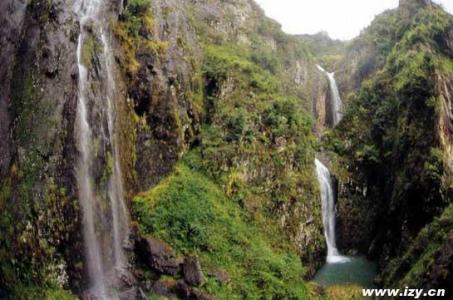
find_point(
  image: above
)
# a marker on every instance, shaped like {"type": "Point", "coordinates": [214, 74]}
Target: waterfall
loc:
{"type": "Point", "coordinates": [101, 195]}
{"type": "Point", "coordinates": [115, 188]}
{"type": "Point", "coordinates": [337, 105]}
{"type": "Point", "coordinates": [328, 213]}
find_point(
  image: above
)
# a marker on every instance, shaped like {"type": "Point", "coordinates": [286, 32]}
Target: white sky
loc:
{"type": "Point", "coordinates": [342, 19]}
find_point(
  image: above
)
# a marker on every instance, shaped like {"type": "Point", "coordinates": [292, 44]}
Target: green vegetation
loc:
{"type": "Point", "coordinates": [257, 143]}
{"type": "Point", "coordinates": [328, 52]}
{"type": "Point", "coordinates": [421, 256]}
{"type": "Point", "coordinates": [191, 212]}
{"type": "Point", "coordinates": [90, 48]}
{"type": "Point", "coordinates": [252, 168]}
{"type": "Point", "coordinates": [344, 292]}
{"type": "Point", "coordinates": [26, 293]}
{"type": "Point", "coordinates": [390, 138]}
{"type": "Point", "coordinates": [238, 199]}
{"type": "Point", "coordinates": [135, 31]}
{"type": "Point", "coordinates": [230, 109]}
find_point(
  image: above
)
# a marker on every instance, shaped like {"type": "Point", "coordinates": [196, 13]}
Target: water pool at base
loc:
{"type": "Point", "coordinates": [357, 270]}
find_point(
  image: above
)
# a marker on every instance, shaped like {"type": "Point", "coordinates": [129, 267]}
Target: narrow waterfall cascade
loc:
{"type": "Point", "coordinates": [337, 104]}
{"type": "Point", "coordinates": [328, 213]}
{"type": "Point", "coordinates": [99, 177]}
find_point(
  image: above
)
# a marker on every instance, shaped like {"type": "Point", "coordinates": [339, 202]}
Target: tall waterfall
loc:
{"type": "Point", "coordinates": [328, 213]}
{"type": "Point", "coordinates": [337, 105]}
{"type": "Point", "coordinates": [99, 177]}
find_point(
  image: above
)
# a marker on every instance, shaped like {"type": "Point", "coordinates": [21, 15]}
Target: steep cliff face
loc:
{"type": "Point", "coordinates": [326, 54]}
{"type": "Point", "coordinates": [213, 82]}
{"type": "Point", "coordinates": [395, 142]}
{"type": "Point", "coordinates": [367, 53]}
{"type": "Point", "coordinates": [11, 24]}
{"type": "Point", "coordinates": [408, 8]}
{"type": "Point", "coordinates": [214, 121]}
{"type": "Point", "coordinates": [241, 98]}
{"type": "Point", "coordinates": [38, 192]}
{"type": "Point", "coordinates": [166, 90]}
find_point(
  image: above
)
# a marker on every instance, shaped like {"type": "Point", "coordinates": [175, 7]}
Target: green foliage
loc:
{"type": "Point", "coordinates": [257, 142]}
{"type": "Point", "coordinates": [420, 258]}
{"type": "Point", "coordinates": [326, 50]}
{"type": "Point", "coordinates": [389, 136]}
{"type": "Point", "coordinates": [138, 7]}
{"type": "Point", "coordinates": [134, 30]}
{"type": "Point", "coordinates": [191, 212]}
{"type": "Point", "coordinates": [396, 113]}
{"type": "Point", "coordinates": [90, 48]}
{"type": "Point", "coordinates": [253, 114]}
{"type": "Point", "coordinates": [30, 293]}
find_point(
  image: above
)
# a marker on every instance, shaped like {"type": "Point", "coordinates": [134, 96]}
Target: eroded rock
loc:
{"type": "Point", "coordinates": [158, 255]}
{"type": "Point", "coordinates": [193, 274]}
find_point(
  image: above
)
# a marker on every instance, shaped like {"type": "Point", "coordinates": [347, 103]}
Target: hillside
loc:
{"type": "Point", "coordinates": [165, 149]}
{"type": "Point", "coordinates": [205, 91]}
{"type": "Point", "coordinates": [395, 139]}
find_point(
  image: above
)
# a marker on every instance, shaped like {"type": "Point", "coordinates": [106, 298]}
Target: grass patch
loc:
{"type": "Point", "coordinates": [191, 212]}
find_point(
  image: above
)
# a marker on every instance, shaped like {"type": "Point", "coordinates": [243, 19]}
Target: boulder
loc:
{"type": "Point", "coordinates": [130, 294]}
{"type": "Point", "coordinates": [121, 279]}
{"type": "Point", "coordinates": [221, 276]}
{"type": "Point", "coordinates": [193, 274]}
{"type": "Point", "coordinates": [158, 255]}
{"type": "Point", "coordinates": [89, 295]}
{"type": "Point", "coordinates": [164, 287]}
{"type": "Point", "coordinates": [197, 295]}
{"type": "Point", "coordinates": [182, 290]}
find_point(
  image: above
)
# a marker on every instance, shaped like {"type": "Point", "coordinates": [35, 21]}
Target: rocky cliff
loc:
{"type": "Point", "coordinates": [213, 88]}
{"type": "Point", "coordinates": [216, 116]}
{"type": "Point", "coordinates": [394, 143]}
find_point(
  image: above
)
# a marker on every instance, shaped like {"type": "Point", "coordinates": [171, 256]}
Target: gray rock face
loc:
{"type": "Point", "coordinates": [38, 103]}
{"type": "Point", "coordinates": [193, 274]}
{"type": "Point", "coordinates": [161, 92]}
{"type": "Point", "coordinates": [12, 14]}
{"type": "Point", "coordinates": [38, 92]}
{"type": "Point", "coordinates": [409, 7]}
{"type": "Point", "coordinates": [158, 255]}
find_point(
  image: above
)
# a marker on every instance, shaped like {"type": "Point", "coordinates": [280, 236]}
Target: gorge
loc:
{"type": "Point", "coordinates": [175, 149]}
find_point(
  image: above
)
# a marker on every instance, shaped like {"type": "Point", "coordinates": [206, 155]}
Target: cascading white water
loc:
{"type": "Point", "coordinates": [115, 189]}
{"type": "Point", "coordinates": [328, 213]}
{"type": "Point", "coordinates": [86, 191]}
{"type": "Point", "coordinates": [104, 230]}
{"type": "Point", "coordinates": [337, 104]}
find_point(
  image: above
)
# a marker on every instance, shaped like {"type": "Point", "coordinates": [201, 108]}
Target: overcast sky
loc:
{"type": "Point", "coordinates": [342, 19]}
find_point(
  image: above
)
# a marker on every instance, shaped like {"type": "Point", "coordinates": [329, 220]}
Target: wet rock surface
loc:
{"type": "Point", "coordinates": [38, 104]}
{"type": "Point", "coordinates": [38, 93]}
{"type": "Point", "coordinates": [11, 22]}
{"type": "Point", "coordinates": [158, 255]}
{"type": "Point", "coordinates": [193, 274]}
{"type": "Point", "coordinates": [160, 92]}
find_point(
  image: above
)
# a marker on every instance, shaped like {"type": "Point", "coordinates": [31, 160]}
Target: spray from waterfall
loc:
{"type": "Point", "coordinates": [105, 216]}
{"type": "Point", "coordinates": [337, 104]}
{"type": "Point", "coordinates": [328, 213]}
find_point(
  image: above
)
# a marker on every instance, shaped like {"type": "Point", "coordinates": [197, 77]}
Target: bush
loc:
{"type": "Point", "coordinates": [138, 7]}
